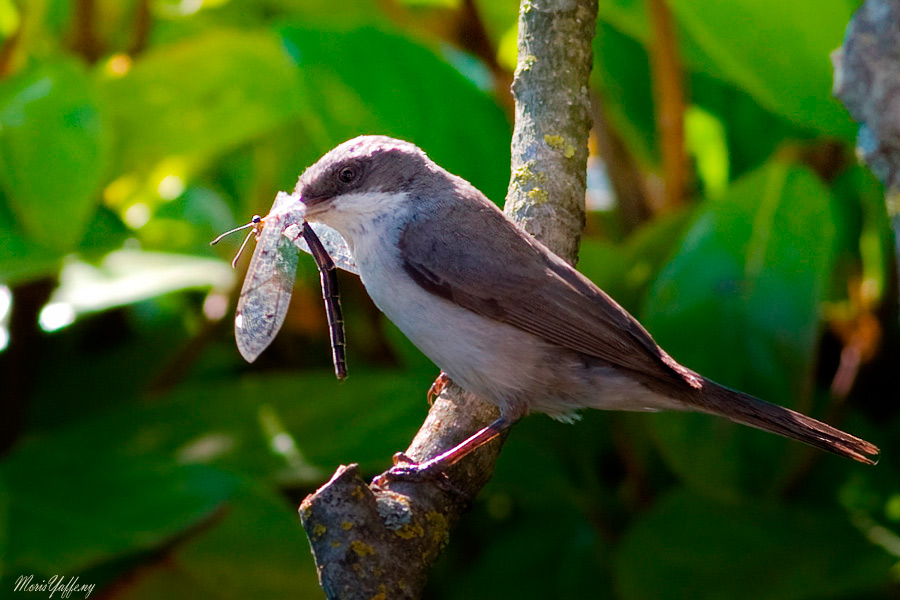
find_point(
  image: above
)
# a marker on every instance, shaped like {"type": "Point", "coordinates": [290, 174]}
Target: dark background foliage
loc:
{"type": "Point", "coordinates": [141, 454]}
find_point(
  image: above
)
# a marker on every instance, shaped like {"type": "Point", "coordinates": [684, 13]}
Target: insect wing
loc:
{"type": "Point", "coordinates": [266, 293]}
{"type": "Point", "coordinates": [333, 243]}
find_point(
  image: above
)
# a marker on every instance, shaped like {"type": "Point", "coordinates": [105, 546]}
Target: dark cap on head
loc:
{"type": "Point", "coordinates": [366, 164]}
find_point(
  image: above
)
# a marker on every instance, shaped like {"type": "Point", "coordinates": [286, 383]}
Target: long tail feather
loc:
{"type": "Point", "coordinates": [747, 410]}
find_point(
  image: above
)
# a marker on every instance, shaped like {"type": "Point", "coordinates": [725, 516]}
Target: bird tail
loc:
{"type": "Point", "coordinates": [747, 410]}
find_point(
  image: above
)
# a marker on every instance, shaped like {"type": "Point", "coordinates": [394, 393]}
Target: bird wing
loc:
{"type": "Point", "coordinates": [509, 277]}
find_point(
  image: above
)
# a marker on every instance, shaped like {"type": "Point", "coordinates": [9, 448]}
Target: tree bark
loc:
{"type": "Point", "coordinates": [866, 80]}
{"type": "Point", "coordinates": [380, 542]}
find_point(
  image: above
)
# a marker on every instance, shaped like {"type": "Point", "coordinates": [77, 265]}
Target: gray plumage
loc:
{"type": "Point", "coordinates": [503, 316]}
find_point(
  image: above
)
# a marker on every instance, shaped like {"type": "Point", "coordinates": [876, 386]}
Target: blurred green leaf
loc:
{"type": "Point", "coordinates": [768, 49]}
{"type": "Point", "coordinates": [622, 74]}
{"type": "Point", "coordinates": [255, 549]}
{"type": "Point", "coordinates": [695, 548]}
{"type": "Point", "coordinates": [382, 410]}
{"type": "Point", "coordinates": [749, 278]}
{"type": "Point", "coordinates": [129, 276]}
{"type": "Point", "coordinates": [520, 563]}
{"type": "Point", "coordinates": [53, 150]}
{"type": "Point", "coordinates": [345, 81]}
{"type": "Point", "coordinates": [201, 96]}
{"type": "Point", "coordinates": [90, 507]}
{"type": "Point", "coordinates": [23, 258]}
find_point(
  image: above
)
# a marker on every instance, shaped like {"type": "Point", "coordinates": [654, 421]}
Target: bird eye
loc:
{"type": "Point", "coordinates": [347, 174]}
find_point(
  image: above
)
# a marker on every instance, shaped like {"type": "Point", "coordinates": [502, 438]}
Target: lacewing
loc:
{"type": "Point", "coordinates": [266, 293]}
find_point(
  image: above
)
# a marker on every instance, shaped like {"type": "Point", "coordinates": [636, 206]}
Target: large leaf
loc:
{"type": "Point", "coordinates": [69, 511]}
{"type": "Point", "coordinates": [777, 52]}
{"type": "Point", "coordinates": [358, 82]}
{"type": "Point", "coordinates": [690, 547]}
{"type": "Point", "coordinates": [140, 474]}
{"type": "Point", "coordinates": [202, 96]}
{"type": "Point", "coordinates": [53, 151]}
{"type": "Point", "coordinates": [256, 550]}
{"type": "Point", "coordinates": [232, 423]}
{"type": "Point", "coordinates": [23, 258]}
{"type": "Point", "coordinates": [739, 302]}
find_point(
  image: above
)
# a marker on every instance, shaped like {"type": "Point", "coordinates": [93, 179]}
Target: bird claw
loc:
{"type": "Point", "coordinates": [405, 469]}
{"type": "Point", "coordinates": [442, 381]}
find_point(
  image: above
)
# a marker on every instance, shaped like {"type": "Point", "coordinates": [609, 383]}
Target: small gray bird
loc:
{"type": "Point", "coordinates": [499, 313]}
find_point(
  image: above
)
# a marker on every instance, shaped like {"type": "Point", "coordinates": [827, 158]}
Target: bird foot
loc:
{"type": "Point", "coordinates": [405, 469]}
{"type": "Point", "coordinates": [437, 387]}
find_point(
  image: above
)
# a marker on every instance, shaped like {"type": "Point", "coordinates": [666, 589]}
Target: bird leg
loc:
{"type": "Point", "coordinates": [442, 381]}
{"type": "Point", "coordinates": [405, 468]}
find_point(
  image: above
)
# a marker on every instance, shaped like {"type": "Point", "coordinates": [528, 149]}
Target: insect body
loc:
{"type": "Point", "coordinates": [266, 293]}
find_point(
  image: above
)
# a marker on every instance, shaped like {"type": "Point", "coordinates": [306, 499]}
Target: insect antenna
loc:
{"type": "Point", "coordinates": [254, 225]}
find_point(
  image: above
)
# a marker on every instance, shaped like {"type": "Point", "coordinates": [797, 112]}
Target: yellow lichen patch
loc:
{"type": "Point", "coordinates": [528, 61]}
{"type": "Point", "coordinates": [524, 175]}
{"type": "Point", "coordinates": [382, 593]}
{"type": "Point", "coordinates": [410, 531]}
{"type": "Point", "coordinates": [335, 544]}
{"type": "Point", "coordinates": [537, 195]}
{"type": "Point", "coordinates": [556, 142]}
{"type": "Point", "coordinates": [318, 531]}
{"type": "Point", "coordinates": [357, 492]}
{"type": "Point", "coordinates": [361, 548]}
{"type": "Point", "coordinates": [439, 524]}
{"type": "Point", "coordinates": [346, 525]}
{"type": "Point", "coordinates": [401, 583]}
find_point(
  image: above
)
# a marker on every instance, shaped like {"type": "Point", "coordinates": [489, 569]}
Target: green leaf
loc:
{"type": "Point", "coordinates": [53, 151]}
{"type": "Point", "coordinates": [350, 90]}
{"type": "Point", "coordinates": [622, 74]}
{"type": "Point", "coordinates": [739, 303]}
{"type": "Point", "coordinates": [232, 423]}
{"type": "Point", "coordinates": [776, 51]}
{"type": "Point", "coordinates": [70, 511]}
{"type": "Point", "coordinates": [23, 258]}
{"type": "Point", "coordinates": [257, 549]}
{"type": "Point", "coordinates": [695, 548]}
{"type": "Point", "coordinates": [202, 96]}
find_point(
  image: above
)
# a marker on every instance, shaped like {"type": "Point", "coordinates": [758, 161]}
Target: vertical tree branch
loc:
{"type": "Point", "coordinates": [380, 542]}
{"type": "Point", "coordinates": [866, 80]}
{"type": "Point", "coordinates": [549, 143]}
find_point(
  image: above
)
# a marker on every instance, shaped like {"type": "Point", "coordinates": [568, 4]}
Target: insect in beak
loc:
{"type": "Point", "coordinates": [267, 288]}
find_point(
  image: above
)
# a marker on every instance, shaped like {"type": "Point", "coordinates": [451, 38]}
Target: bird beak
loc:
{"type": "Point", "coordinates": [313, 206]}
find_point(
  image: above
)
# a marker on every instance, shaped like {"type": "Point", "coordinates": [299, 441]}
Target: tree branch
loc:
{"type": "Point", "coordinates": [380, 542]}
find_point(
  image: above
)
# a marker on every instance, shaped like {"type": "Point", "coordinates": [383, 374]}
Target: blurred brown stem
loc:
{"type": "Point", "coordinates": [142, 21]}
{"type": "Point", "coordinates": [624, 174]}
{"type": "Point", "coordinates": [85, 40]}
{"type": "Point", "coordinates": [668, 91]}
{"type": "Point", "coordinates": [17, 363]}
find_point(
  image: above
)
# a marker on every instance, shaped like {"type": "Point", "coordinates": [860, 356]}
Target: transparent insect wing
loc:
{"type": "Point", "coordinates": [267, 289]}
{"type": "Point", "coordinates": [333, 243]}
